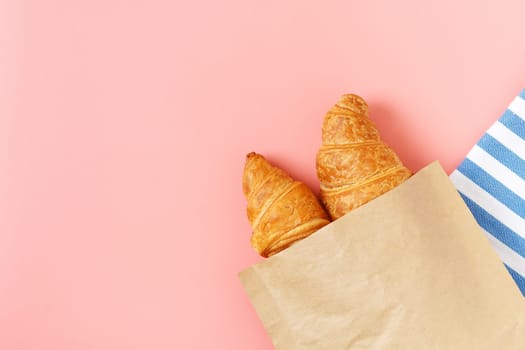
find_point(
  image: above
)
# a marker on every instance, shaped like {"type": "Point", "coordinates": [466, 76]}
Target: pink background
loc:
{"type": "Point", "coordinates": [124, 126]}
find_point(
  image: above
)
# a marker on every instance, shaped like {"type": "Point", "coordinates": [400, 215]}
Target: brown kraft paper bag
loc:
{"type": "Point", "coordinates": [409, 270]}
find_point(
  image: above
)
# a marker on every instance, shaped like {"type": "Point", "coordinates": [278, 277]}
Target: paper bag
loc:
{"type": "Point", "coordinates": [409, 270]}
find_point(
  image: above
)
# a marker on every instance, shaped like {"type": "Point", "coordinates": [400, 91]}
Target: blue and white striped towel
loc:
{"type": "Point", "coordinates": [491, 180]}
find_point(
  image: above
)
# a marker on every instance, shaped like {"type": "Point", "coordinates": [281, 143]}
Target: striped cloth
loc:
{"type": "Point", "coordinates": [491, 180]}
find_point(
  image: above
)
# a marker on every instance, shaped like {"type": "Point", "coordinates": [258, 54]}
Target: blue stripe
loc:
{"type": "Point", "coordinates": [504, 234]}
{"type": "Point", "coordinates": [519, 279]}
{"type": "Point", "coordinates": [503, 154]}
{"type": "Point", "coordinates": [513, 123]}
{"type": "Point", "coordinates": [493, 186]}
{"type": "Point", "coordinates": [522, 94]}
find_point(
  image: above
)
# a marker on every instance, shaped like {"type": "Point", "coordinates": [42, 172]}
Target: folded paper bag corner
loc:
{"type": "Point", "coordinates": [410, 269]}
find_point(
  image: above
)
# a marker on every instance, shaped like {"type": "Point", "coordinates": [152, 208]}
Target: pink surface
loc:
{"type": "Point", "coordinates": [124, 126]}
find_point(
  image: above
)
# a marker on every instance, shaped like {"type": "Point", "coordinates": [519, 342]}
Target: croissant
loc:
{"type": "Point", "coordinates": [353, 164]}
{"type": "Point", "coordinates": [281, 210]}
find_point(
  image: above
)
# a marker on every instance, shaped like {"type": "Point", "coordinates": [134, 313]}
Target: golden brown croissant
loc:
{"type": "Point", "coordinates": [354, 165]}
{"type": "Point", "coordinates": [280, 210]}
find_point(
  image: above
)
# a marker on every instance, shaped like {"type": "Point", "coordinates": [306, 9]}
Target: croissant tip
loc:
{"type": "Point", "coordinates": [253, 156]}
{"type": "Point", "coordinates": [351, 97]}
{"type": "Point", "coordinates": [353, 102]}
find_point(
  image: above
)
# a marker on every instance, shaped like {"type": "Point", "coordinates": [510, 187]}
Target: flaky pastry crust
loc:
{"type": "Point", "coordinates": [353, 164]}
{"type": "Point", "coordinates": [281, 210]}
